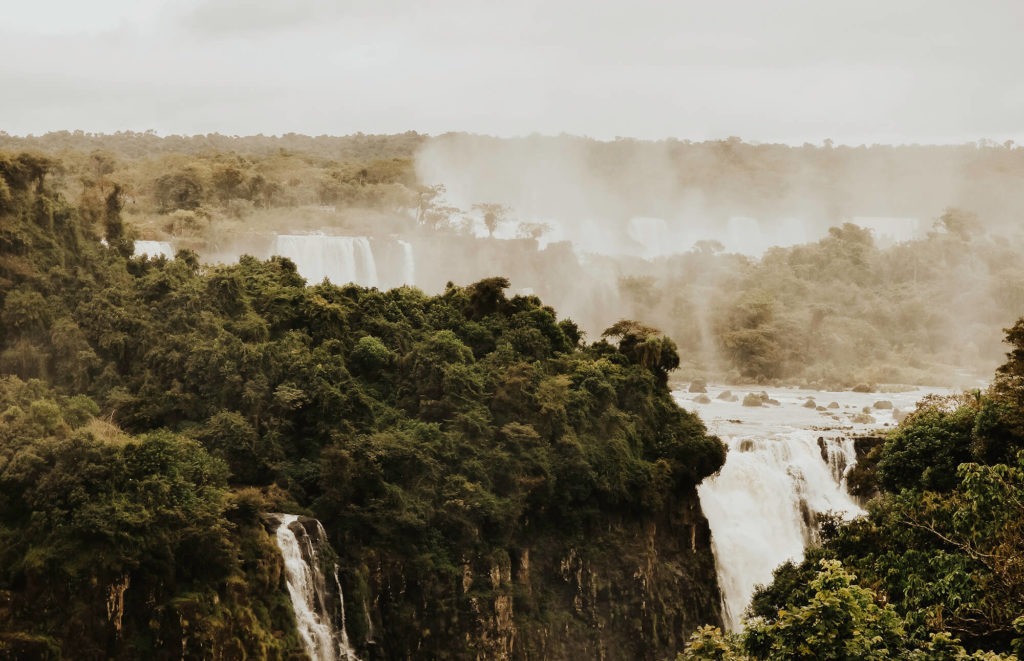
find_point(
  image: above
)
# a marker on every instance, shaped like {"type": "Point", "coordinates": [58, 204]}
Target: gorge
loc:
{"type": "Point", "coordinates": [475, 466]}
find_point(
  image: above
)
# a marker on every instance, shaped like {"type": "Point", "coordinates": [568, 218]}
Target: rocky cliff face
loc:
{"type": "Point", "coordinates": [630, 589]}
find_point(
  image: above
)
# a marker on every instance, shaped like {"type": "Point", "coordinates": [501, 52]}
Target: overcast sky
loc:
{"type": "Point", "coordinates": [861, 71]}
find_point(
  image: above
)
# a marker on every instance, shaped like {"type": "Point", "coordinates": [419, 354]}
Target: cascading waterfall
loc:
{"type": "Point", "coordinates": [763, 506]}
{"type": "Point", "coordinates": [340, 259]}
{"type": "Point", "coordinates": [321, 638]}
{"type": "Point", "coordinates": [787, 463]}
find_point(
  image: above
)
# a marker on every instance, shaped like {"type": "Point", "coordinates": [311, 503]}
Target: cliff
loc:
{"type": "Point", "coordinates": [633, 588]}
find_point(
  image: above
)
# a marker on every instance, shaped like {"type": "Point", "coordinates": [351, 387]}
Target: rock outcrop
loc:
{"type": "Point", "coordinates": [635, 587]}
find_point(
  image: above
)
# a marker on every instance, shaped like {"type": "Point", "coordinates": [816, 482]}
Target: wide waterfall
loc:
{"type": "Point", "coordinates": [321, 627]}
{"type": "Point", "coordinates": [763, 506]}
{"type": "Point", "coordinates": [786, 465]}
{"type": "Point", "coordinates": [340, 259]}
{"type": "Point", "coordinates": [154, 249]}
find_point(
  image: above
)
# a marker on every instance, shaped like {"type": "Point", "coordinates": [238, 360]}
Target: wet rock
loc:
{"type": "Point", "coordinates": [725, 395]}
{"type": "Point", "coordinates": [883, 404]}
{"type": "Point", "coordinates": [752, 399]}
{"type": "Point", "coordinates": [698, 385]}
{"type": "Point", "coordinates": [810, 404]}
{"type": "Point", "coordinates": [774, 402]}
{"type": "Point", "coordinates": [862, 419]}
{"type": "Point", "coordinates": [821, 408]}
{"type": "Point", "coordinates": [863, 387]}
{"type": "Point", "coordinates": [702, 399]}
{"type": "Point", "coordinates": [833, 405]}
{"type": "Point", "coordinates": [899, 416]}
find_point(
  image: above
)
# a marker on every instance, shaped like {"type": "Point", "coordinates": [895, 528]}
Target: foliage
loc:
{"type": "Point", "coordinates": [421, 430]}
{"type": "Point", "coordinates": [840, 310]}
{"type": "Point", "coordinates": [943, 545]}
{"type": "Point", "coordinates": [840, 621]}
{"type": "Point", "coordinates": [108, 540]}
{"type": "Point", "coordinates": [924, 452]}
{"type": "Point", "coordinates": [835, 617]}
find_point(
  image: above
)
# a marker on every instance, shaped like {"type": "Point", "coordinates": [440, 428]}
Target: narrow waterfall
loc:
{"type": "Point", "coordinates": [408, 264]}
{"type": "Point", "coordinates": [763, 506]}
{"type": "Point", "coordinates": [322, 639]}
{"type": "Point", "coordinates": [154, 249]}
{"type": "Point", "coordinates": [340, 259]}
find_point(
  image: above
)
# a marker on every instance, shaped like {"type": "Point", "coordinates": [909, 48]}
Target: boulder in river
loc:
{"type": "Point", "coordinates": [752, 399]}
{"type": "Point", "coordinates": [810, 404]}
{"type": "Point", "coordinates": [883, 404]}
{"type": "Point", "coordinates": [862, 419]}
{"type": "Point", "coordinates": [698, 385]}
{"type": "Point", "coordinates": [833, 405]}
{"type": "Point", "coordinates": [702, 399]}
{"type": "Point", "coordinates": [863, 387]}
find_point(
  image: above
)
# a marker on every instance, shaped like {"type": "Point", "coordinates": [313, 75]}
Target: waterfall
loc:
{"type": "Point", "coordinates": [322, 640]}
{"type": "Point", "coordinates": [408, 264]}
{"type": "Point", "coordinates": [763, 506]}
{"type": "Point", "coordinates": [154, 249]}
{"type": "Point", "coordinates": [340, 259]}
{"type": "Point", "coordinates": [787, 464]}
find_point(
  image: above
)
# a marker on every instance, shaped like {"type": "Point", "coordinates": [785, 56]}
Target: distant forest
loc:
{"type": "Point", "coordinates": [738, 178]}
{"type": "Point", "coordinates": [834, 312]}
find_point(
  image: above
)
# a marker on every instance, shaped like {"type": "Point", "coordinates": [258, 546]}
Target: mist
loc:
{"type": "Point", "coordinates": [645, 198]}
{"type": "Point", "coordinates": [685, 235]}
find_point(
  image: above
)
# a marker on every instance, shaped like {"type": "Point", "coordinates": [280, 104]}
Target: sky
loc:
{"type": "Point", "coordinates": [855, 72]}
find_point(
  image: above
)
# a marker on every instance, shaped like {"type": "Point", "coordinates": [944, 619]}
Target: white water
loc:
{"type": "Point", "coordinates": [308, 592]}
{"type": "Point", "coordinates": [408, 264]}
{"type": "Point", "coordinates": [154, 249]}
{"type": "Point", "coordinates": [340, 259]}
{"type": "Point", "coordinates": [762, 506]}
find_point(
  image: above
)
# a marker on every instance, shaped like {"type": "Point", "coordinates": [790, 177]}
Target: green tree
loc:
{"type": "Point", "coordinates": [841, 621]}
{"type": "Point", "coordinates": [494, 215]}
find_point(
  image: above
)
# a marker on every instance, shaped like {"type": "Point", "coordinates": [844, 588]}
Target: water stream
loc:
{"type": "Point", "coordinates": [323, 637]}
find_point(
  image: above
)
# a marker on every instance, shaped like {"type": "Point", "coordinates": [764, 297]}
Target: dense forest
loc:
{"type": "Point", "coordinates": [842, 309]}
{"type": "Point", "coordinates": [454, 446]}
{"type": "Point", "coordinates": [498, 481]}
